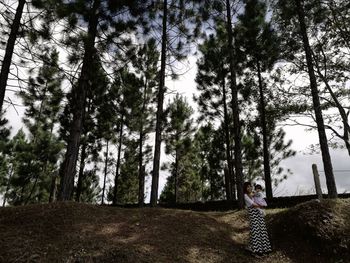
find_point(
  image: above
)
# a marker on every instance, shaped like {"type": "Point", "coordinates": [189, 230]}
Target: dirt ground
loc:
{"type": "Point", "coordinates": [73, 232]}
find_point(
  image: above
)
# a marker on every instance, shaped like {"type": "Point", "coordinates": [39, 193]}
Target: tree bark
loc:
{"type": "Point", "coordinates": [176, 175]}
{"type": "Point", "coordinates": [235, 110]}
{"type": "Point", "coordinates": [115, 191]}
{"type": "Point", "coordinates": [266, 152]}
{"type": "Point", "coordinates": [142, 169]}
{"type": "Point", "coordinates": [79, 97]}
{"type": "Point", "coordinates": [142, 186]}
{"type": "Point", "coordinates": [159, 124]}
{"type": "Point", "coordinates": [327, 163]}
{"type": "Point", "coordinates": [83, 156]}
{"type": "Point", "coordinates": [105, 176]}
{"type": "Point", "coordinates": [6, 63]}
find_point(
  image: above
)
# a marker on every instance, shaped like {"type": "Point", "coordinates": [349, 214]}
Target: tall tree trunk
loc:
{"type": "Point", "coordinates": [79, 97]}
{"type": "Point", "coordinates": [267, 171]}
{"type": "Point", "coordinates": [159, 124]}
{"type": "Point", "coordinates": [176, 175]}
{"type": "Point", "coordinates": [141, 172]}
{"type": "Point", "coordinates": [235, 110]}
{"type": "Point", "coordinates": [83, 156]}
{"type": "Point", "coordinates": [230, 192]}
{"type": "Point", "coordinates": [142, 169]}
{"type": "Point", "coordinates": [115, 191]}
{"type": "Point", "coordinates": [327, 163]}
{"type": "Point", "coordinates": [6, 63]}
{"type": "Point", "coordinates": [105, 176]}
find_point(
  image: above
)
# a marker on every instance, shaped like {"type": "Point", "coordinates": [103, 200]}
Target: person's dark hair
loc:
{"type": "Point", "coordinates": [258, 186]}
{"type": "Point", "coordinates": [245, 186]}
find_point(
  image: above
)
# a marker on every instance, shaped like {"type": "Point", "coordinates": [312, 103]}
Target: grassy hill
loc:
{"type": "Point", "coordinates": [73, 232]}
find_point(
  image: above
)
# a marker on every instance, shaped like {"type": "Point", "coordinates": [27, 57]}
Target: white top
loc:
{"type": "Point", "coordinates": [259, 199]}
{"type": "Point", "coordinates": [248, 201]}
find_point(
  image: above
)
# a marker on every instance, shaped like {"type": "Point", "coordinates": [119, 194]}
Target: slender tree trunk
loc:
{"type": "Point", "coordinates": [327, 163]}
{"type": "Point", "coordinates": [79, 95]}
{"type": "Point", "coordinates": [142, 169]}
{"type": "Point", "coordinates": [227, 183]}
{"type": "Point", "coordinates": [142, 186]}
{"type": "Point", "coordinates": [6, 63]}
{"type": "Point", "coordinates": [235, 110]}
{"type": "Point", "coordinates": [267, 171]}
{"type": "Point", "coordinates": [141, 172]}
{"type": "Point", "coordinates": [159, 124]}
{"type": "Point", "coordinates": [53, 189]}
{"type": "Point", "coordinates": [230, 192]}
{"type": "Point", "coordinates": [105, 176]}
{"type": "Point", "coordinates": [176, 175]}
{"type": "Point", "coordinates": [115, 191]}
{"type": "Point", "coordinates": [83, 156]}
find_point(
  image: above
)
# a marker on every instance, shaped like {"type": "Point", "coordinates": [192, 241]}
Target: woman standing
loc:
{"type": "Point", "coordinates": [259, 242]}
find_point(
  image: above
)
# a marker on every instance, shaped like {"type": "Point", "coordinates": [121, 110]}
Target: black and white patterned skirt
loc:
{"type": "Point", "coordinates": [258, 237]}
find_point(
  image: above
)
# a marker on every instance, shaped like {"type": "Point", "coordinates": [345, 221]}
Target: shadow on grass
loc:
{"type": "Point", "coordinates": [70, 232]}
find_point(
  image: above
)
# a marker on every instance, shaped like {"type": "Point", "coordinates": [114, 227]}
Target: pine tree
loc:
{"type": "Point", "coordinates": [129, 93]}
{"type": "Point", "coordinates": [176, 18]}
{"type": "Point", "coordinates": [178, 137]}
{"type": "Point", "coordinates": [225, 12]}
{"type": "Point", "coordinates": [43, 101]}
{"type": "Point", "coordinates": [146, 67]}
{"type": "Point", "coordinates": [212, 82]}
{"type": "Point", "coordinates": [293, 16]}
{"type": "Point", "coordinates": [128, 179]}
{"type": "Point", "coordinates": [100, 16]}
{"type": "Point", "coordinates": [330, 57]}
{"type": "Point", "coordinates": [24, 170]}
{"type": "Point", "coordinates": [201, 145]}
{"type": "Point", "coordinates": [258, 41]}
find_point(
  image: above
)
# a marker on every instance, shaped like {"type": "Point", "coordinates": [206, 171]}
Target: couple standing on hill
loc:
{"type": "Point", "coordinates": [259, 242]}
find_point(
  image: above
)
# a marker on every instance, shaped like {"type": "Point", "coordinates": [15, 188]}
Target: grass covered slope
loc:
{"type": "Point", "coordinates": [313, 229]}
{"type": "Point", "coordinates": [73, 232]}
